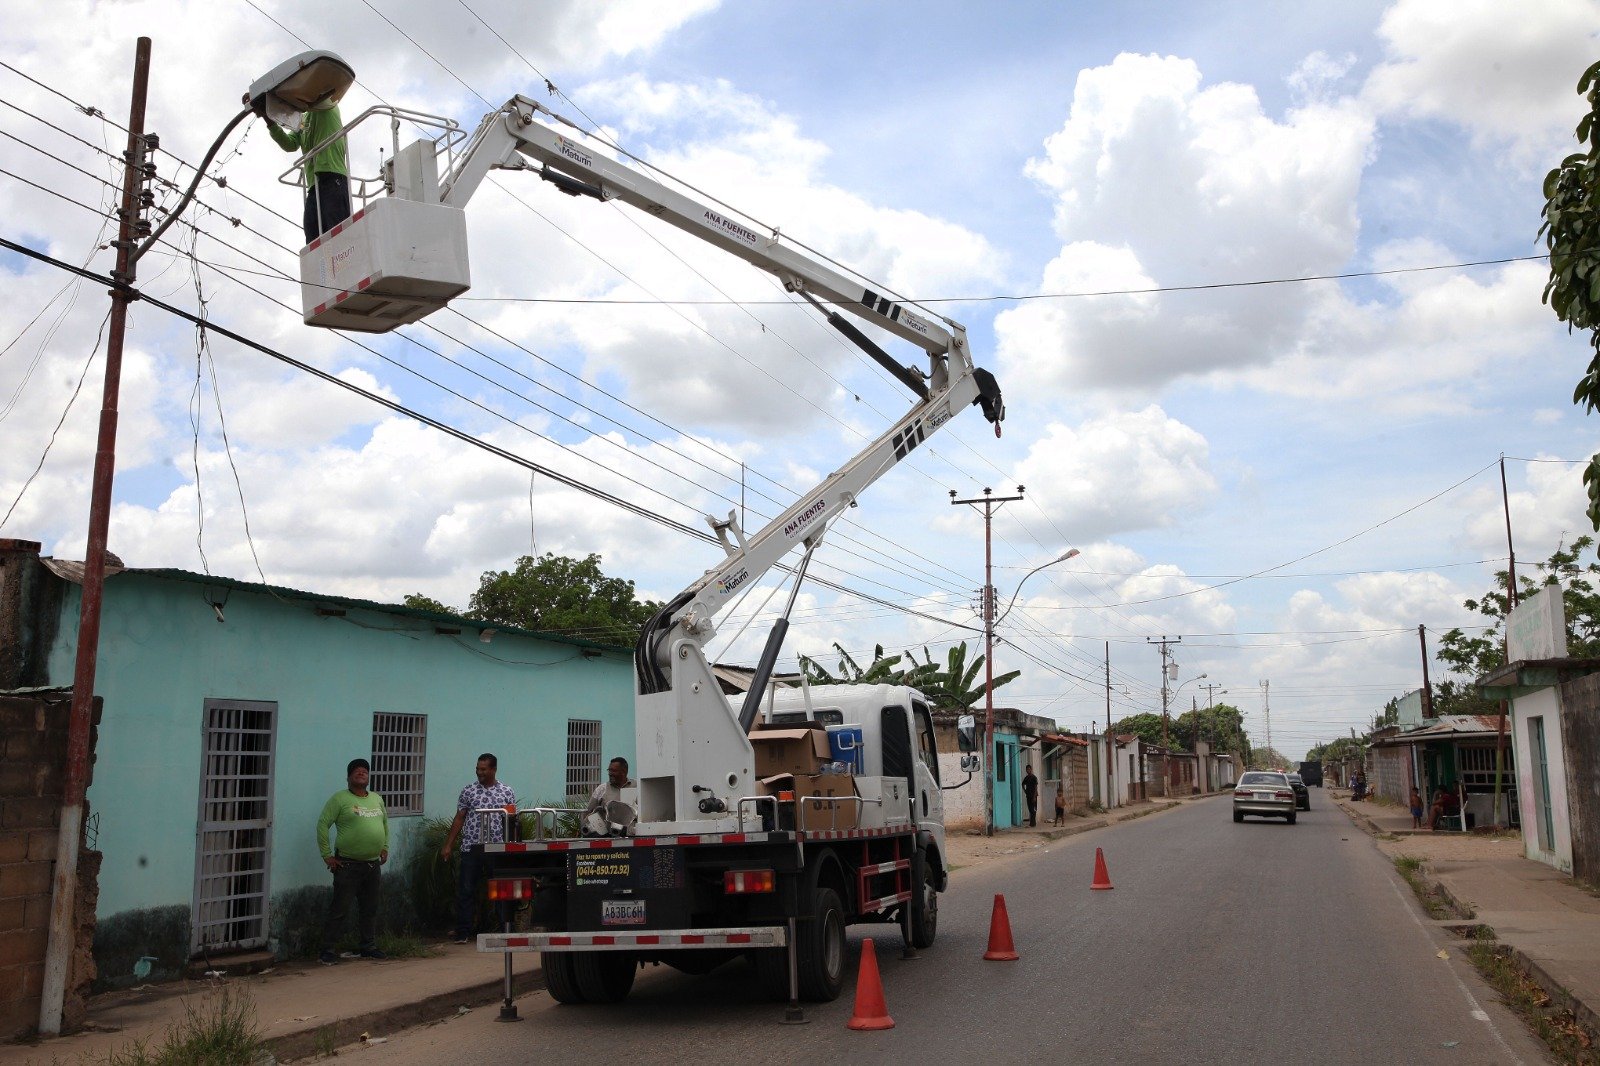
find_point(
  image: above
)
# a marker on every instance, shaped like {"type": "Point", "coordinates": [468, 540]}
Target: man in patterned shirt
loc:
{"type": "Point", "coordinates": [474, 830]}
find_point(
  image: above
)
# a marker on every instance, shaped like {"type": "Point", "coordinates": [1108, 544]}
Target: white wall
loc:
{"type": "Point", "coordinates": [1543, 704]}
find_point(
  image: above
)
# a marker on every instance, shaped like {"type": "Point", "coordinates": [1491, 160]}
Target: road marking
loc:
{"type": "Point", "coordinates": [1476, 1011]}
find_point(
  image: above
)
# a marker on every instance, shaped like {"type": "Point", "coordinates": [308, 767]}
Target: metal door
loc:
{"type": "Point", "coordinates": [233, 839]}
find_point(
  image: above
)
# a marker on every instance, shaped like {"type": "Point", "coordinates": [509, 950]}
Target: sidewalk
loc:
{"type": "Point", "coordinates": [1549, 922]}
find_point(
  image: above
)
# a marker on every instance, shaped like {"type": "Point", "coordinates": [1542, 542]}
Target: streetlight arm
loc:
{"type": "Point", "coordinates": [1063, 557]}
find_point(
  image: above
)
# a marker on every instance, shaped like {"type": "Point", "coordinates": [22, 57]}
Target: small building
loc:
{"type": "Point", "coordinates": [1555, 732]}
{"type": "Point", "coordinates": [1454, 753]}
{"type": "Point", "coordinates": [231, 708]}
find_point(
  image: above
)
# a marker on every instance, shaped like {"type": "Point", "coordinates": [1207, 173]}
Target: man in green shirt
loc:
{"type": "Point", "coordinates": [327, 172]}
{"type": "Point", "coordinates": [360, 847]}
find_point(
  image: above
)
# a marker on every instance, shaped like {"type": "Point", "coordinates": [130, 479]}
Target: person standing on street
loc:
{"type": "Point", "coordinates": [474, 831]}
{"type": "Point", "coordinates": [1061, 803]}
{"type": "Point", "coordinates": [356, 855]}
{"type": "Point", "coordinates": [327, 173]}
{"type": "Point", "coordinates": [1030, 790]}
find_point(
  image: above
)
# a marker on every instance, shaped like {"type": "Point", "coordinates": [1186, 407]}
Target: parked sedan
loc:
{"type": "Point", "coordinates": [1302, 794]}
{"type": "Point", "coordinates": [1265, 793]}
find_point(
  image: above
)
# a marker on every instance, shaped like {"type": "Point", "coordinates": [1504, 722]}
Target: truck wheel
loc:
{"type": "Point", "coordinates": [604, 976]}
{"type": "Point", "coordinates": [822, 949]}
{"type": "Point", "coordinates": [559, 978]}
{"type": "Point", "coordinates": [924, 901]}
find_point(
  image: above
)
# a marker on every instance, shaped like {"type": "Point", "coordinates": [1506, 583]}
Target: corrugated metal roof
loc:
{"type": "Point", "coordinates": [1447, 725]}
{"type": "Point", "coordinates": [65, 568]}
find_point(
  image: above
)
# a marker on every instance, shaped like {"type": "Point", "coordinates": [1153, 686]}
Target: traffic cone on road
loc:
{"type": "Point", "coordinates": [1101, 878]}
{"type": "Point", "coordinates": [1001, 949]}
{"type": "Point", "coordinates": [870, 1012]}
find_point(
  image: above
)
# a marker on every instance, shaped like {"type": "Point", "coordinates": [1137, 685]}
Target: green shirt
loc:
{"type": "Point", "coordinates": [315, 127]}
{"type": "Point", "coordinates": [361, 824]}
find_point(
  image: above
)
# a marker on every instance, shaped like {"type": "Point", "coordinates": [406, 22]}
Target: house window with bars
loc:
{"type": "Point", "coordinates": [583, 757]}
{"type": "Point", "coordinates": [399, 757]}
{"type": "Point", "coordinates": [1477, 766]}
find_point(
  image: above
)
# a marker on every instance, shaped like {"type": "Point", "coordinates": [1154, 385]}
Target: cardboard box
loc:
{"type": "Point", "coordinates": [845, 814]}
{"type": "Point", "coordinates": [790, 751]}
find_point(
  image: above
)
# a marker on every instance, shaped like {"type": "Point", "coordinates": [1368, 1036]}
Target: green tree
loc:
{"type": "Point", "coordinates": [1221, 725]}
{"type": "Point", "coordinates": [560, 594]}
{"type": "Point", "coordinates": [883, 670]}
{"type": "Point", "coordinates": [1146, 726]}
{"type": "Point", "coordinates": [1473, 655]}
{"type": "Point", "coordinates": [958, 684]}
{"type": "Point", "coordinates": [418, 602]}
{"type": "Point", "coordinates": [1571, 229]}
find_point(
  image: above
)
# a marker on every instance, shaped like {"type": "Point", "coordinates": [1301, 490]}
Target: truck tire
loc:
{"type": "Point", "coordinates": [822, 949]}
{"type": "Point", "coordinates": [604, 976]}
{"type": "Point", "coordinates": [924, 901]}
{"type": "Point", "coordinates": [559, 979]}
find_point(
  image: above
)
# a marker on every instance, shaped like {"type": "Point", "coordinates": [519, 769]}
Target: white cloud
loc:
{"type": "Point", "coordinates": [1503, 71]}
{"type": "Point", "coordinates": [1160, 181]}
{"type": "Point", "coordinates": [1117, 473]}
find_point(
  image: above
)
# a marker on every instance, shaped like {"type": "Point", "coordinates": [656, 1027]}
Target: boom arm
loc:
{"type": "Point", "coordinates": [682, 751]}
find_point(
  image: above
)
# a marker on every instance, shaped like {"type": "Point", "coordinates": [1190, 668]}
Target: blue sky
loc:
{"type": "Point", "coordinates": [1180, 440]}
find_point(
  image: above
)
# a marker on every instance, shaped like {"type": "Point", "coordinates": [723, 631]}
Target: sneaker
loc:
{"type": "Point", "coordinates": [327, 958]}
{"type": "Point", "coordinates": [373, 953]}
{"type": "Point", "coordinates": [463, 940]}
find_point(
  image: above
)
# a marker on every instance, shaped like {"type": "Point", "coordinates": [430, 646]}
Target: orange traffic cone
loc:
{"type": "Point", "coordinates": [1101, 878]}
{"type": "Point", "coordinates": [870, 1012]}
{"type": "Point", "coordinates": [1001, 949]}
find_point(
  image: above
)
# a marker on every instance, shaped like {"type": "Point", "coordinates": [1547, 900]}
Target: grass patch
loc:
{"type": "Point", "coordinates": [1552, 1022]}
{"type": "Point", "coordinates": [220, 1029]}
{"type": "Point", "coordinates": [405, 946]}
{"type": "Point", "coordinates": [1431, 899]}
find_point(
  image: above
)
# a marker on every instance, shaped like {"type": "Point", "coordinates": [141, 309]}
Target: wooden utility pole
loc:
{"type": "Point", "coordinates": [1502, 817]}
{"type": "Point", "coordinates": [137, 173]}
{"type": "Point", "coordinates": [1166, 692]}
{"type": "Point", "coordinates": [1427, 689]}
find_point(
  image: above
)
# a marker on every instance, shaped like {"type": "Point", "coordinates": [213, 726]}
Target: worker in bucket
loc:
{"type": "Point", "coordinates": [327, 172]}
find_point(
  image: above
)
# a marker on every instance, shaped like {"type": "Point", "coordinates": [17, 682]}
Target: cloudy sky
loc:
{"type": "Point", "coordinates": [1116, 200]}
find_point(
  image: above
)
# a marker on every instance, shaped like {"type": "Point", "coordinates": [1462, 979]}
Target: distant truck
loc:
{"type": "Point", "coordinates": [1311, 773]}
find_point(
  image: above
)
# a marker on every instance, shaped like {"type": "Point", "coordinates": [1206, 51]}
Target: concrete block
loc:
{"type": "Point", "coordinates": [37, 913]}
{"type": "Point", "coordinates": [25, 879]}
{"type": "Point", "coordinates": [29, 744]}
{"type": "Point", "coordinates": [42, 845]}
{"type": "Point", "coordinates": [18, 715]}
{"type": "Point", "coordinates": [22, 947]}
{"type": "Point", "coordinates": [13, 847]}
{"type": "Point", "coordinates": [24, 812]}
{"type": "Point", "coordinates": [19, 1018]}
{"type": "Point", "coordinates": [18, 778]}
{"type": "Point", "coordinates": [13, 915]}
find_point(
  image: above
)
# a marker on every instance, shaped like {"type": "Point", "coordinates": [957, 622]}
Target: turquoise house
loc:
{"type": "Point", "coordinates": [231, 709]}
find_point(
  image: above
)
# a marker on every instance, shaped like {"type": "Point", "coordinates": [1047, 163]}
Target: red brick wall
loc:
{"type": "Point", "coordinates": [33, 745]}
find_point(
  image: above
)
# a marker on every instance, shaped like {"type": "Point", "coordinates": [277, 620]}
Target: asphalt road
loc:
{"type": "Point", "coordinates": [1219, 943]}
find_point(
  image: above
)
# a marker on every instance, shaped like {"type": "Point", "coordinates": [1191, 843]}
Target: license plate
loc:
{"type": "Point", "coordinates": [622, 912]}
{"type": "Point", "coordinates": [1265, 797]}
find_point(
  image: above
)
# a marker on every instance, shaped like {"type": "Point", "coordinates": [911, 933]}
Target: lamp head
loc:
{"type": "Point", "coordinates": [310, 81]}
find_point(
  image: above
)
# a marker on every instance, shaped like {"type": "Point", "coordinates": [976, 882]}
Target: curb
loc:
{"type": "Point", "coordinates": [400, 1017]}
{"type": "Point", "coordinates": [1581, 1011]}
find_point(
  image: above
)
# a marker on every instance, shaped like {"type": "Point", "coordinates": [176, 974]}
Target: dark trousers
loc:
{"type": "Point", "coordinates": [1033, 809]}
{"type": "Point", "coordinates": [327, 204]}
{"type": "Point", "coordinates": [358, 882]}
{"type": "Point", "coordinates": [469, 884]}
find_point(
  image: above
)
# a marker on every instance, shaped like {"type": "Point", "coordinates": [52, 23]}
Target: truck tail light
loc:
{"type": "Point", "coordinates": [510, 888]}
{"type": "Point", "coordinates": [749, 881]}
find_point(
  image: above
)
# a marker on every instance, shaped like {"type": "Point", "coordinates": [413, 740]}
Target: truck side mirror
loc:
{"type": "Point", "coordinates": [969, 764]}
{"type": "Point", "coordinates": [966, 733]}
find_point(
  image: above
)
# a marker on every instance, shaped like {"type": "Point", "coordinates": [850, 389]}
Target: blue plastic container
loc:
{"type": "Point", "coordinates": [844, 744]}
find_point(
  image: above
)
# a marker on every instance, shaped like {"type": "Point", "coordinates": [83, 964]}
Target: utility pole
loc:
{"type": "Point", "coordinates": [1110, 745]}
{"type": "Point", "coordinates": [1169, 670]}
{"type": "Point", "coordinates": [990, 503]}
{"type": "Point", "coordinates": [1501, 817]}
{"type": "Point", "coordinates": [137, 173]}
{"type": "Point", "coordinates": [1427, 688]}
